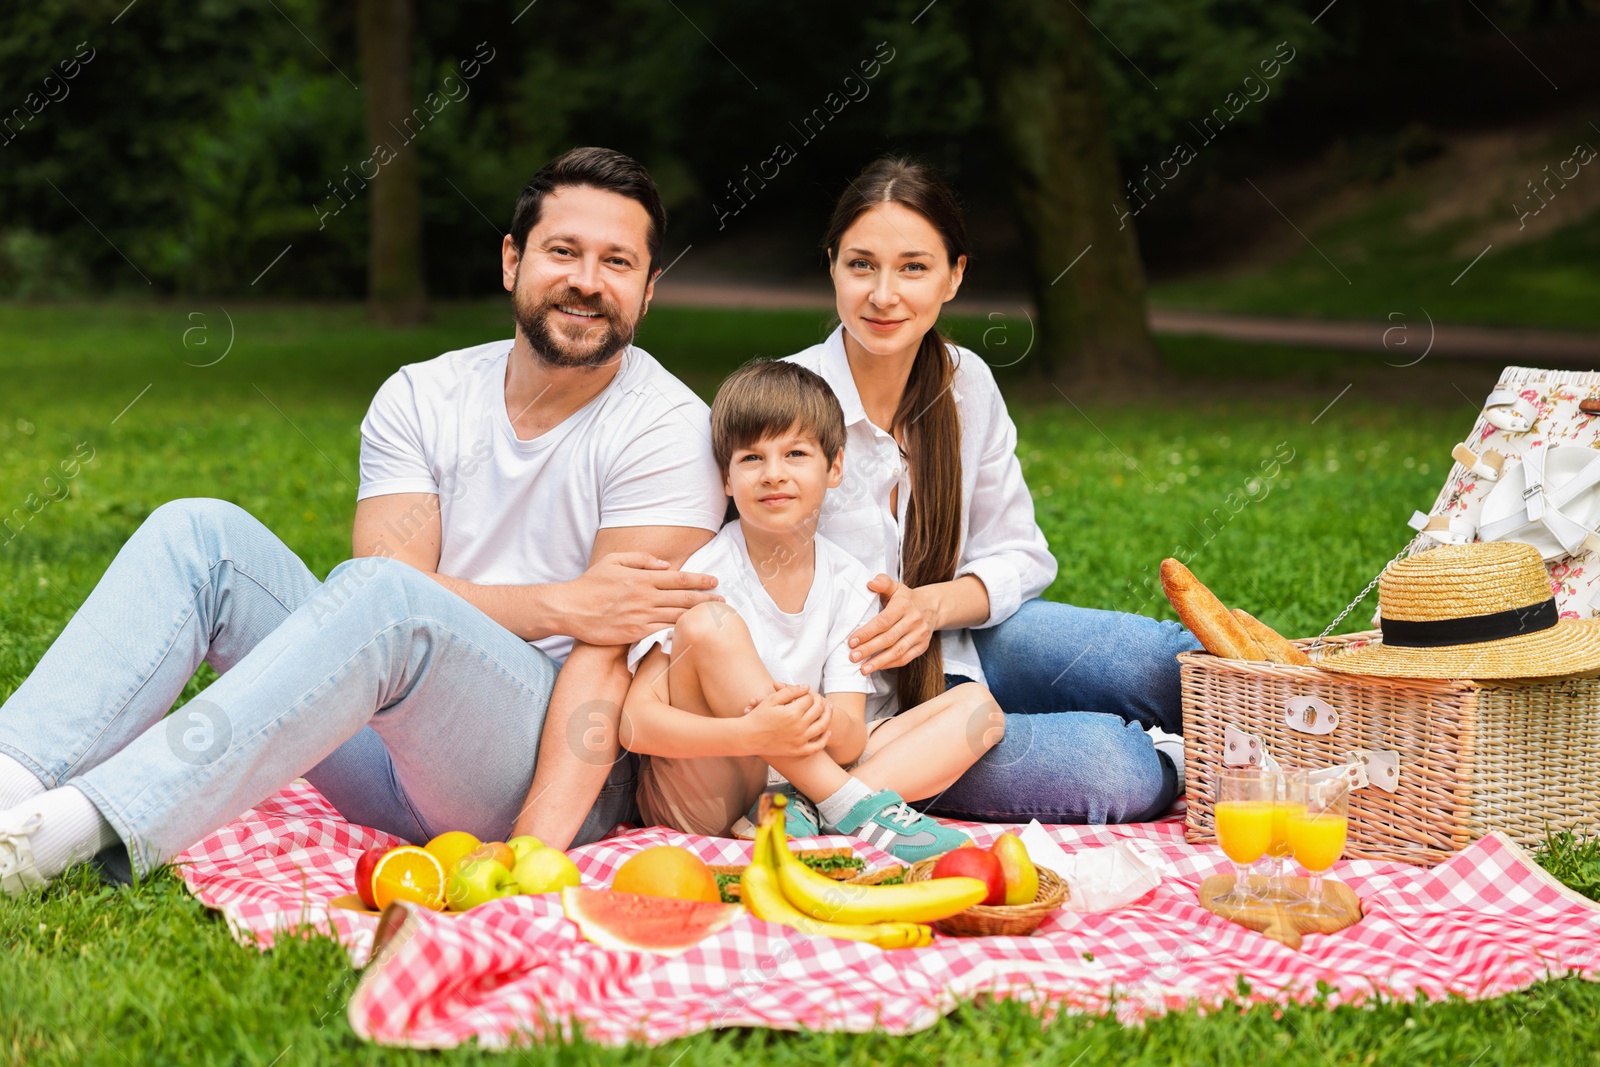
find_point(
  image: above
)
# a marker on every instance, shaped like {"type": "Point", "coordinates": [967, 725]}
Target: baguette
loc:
{"type": "Point", "coordinates": [1276, 647]}
{"type": "Point", "coordinates": [1222, 635]}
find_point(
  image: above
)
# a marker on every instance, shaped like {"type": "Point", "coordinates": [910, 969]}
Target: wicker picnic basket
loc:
{"type": "Point", "coordinates": [1519, 756]}
{"type": "Point", "coordinates": [998, 920]}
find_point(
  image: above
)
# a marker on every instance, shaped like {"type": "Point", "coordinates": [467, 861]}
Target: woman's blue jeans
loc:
{"type": "Point", "coordinates": [1078, 686]}
{"type": "Point", "coordinates": [407, 707]}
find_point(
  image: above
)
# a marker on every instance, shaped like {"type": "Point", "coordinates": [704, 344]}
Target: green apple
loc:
{"type": "Point", "coordinates": [477, 881]}
{"type": "Point", "coordinates": [521, 846]}
{"type": "Point", "coordinates": [1022, 878]}
{"type": "Point", "coordinates": [545, 870]}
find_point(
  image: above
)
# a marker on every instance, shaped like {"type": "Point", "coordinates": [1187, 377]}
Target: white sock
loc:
{"type": "Point", "coordinates": [1172, 745]}
{"type": "Point", "coordinates": [837, 806]}
{"type": "Point", "coordinates": [17, 783]}
{"type": "Point", "coordinates": [71, 830]}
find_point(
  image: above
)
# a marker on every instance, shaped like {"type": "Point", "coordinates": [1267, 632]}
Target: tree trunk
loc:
{"type": "Point", "coordinates": [394, 266]}
{"type": "Point", "coordinates": [1036, 59]}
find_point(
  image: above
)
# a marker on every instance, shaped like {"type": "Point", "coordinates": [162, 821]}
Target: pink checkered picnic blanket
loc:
{"type": "Point", "coordinates": [1486, 922]}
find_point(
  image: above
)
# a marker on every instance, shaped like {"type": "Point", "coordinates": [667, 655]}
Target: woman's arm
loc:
{"type": "Point", "coordinates": [1004, 559]}
{"type": "Point", "coordinates": [954, 605]}
{"type": "Point", "coordinates": [910, 617]}
{"type": "Point", "coordinates": [1004, 548]}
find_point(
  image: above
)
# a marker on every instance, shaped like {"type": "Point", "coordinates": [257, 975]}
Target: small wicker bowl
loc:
{"type": "Point", "coordinates": [998, 920]}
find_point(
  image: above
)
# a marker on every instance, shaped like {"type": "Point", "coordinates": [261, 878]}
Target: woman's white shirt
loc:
{"type": "Point", "coordinates": [1000, 541]}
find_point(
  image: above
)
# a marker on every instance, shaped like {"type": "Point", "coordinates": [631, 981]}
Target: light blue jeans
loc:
{"type": "Point", "coordinates": [1078, 686]}
{"type": "Point", "coordinates": [407, 707]}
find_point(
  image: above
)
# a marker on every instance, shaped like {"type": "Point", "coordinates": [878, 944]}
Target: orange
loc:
{"type": "Point", "coordinates": [667, 871]}
{"type": "Point", "coordinates": [450, 846]}
{"type": "Point", "coordinates": [410, 874]}
{"type": "Point", "coordinates": [498, 851]}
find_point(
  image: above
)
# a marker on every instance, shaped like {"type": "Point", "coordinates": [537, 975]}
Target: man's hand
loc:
{"type": "Point", "coordinates": [791, 721]}
{"type": "Point", "coordinates": [626, 596]}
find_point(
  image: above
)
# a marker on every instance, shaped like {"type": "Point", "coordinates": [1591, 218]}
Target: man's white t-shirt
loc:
{"type": "Point", "coordinates": [517, 512]}
{"type": "Point", "coordinates": [810, 647]}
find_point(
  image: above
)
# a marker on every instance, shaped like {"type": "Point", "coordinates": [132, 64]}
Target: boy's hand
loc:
{"type": "Point", "coordinates": [789, 722]}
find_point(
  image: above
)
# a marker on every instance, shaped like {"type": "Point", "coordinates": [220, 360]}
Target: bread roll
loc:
{"type": "Point", "coordinates": [1222, 635]}
{"type": "Point", "coordinates": [1277, 647]}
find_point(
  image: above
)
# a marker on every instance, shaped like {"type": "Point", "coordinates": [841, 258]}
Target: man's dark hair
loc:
{"type": "Point", "coordinates": [598, 168]}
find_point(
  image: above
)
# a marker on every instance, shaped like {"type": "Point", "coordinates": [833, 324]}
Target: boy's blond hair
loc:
{"type": "Point", "coordinates": [765, 398]}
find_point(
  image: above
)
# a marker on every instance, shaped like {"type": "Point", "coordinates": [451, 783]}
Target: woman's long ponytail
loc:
{"type": "Point", "coordinates": [926, 421]}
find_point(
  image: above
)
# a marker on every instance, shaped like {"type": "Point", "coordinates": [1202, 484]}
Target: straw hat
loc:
{"type": "Point", "coordinates": [1480, 610]}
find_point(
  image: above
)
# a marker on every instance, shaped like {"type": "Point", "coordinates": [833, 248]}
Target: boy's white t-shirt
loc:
{"type": "Point", "coordinates": [810, 647]}
{"type": "Point", "coordinates": [517, 512]}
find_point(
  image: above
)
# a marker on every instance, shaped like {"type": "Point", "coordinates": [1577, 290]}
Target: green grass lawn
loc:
{"type": "Point", "coordinates": [110, 975]}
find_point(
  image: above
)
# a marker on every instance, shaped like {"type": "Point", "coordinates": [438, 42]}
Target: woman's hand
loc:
{"type": "Point", "coordinates": [896, 635]}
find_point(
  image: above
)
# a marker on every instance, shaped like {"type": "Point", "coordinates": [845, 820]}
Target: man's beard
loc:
{"type": "Point", "coordinates": [590, 345]}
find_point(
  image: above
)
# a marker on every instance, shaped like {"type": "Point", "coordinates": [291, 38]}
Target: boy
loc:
{"type": "Point", "coordinates": [765, 679]}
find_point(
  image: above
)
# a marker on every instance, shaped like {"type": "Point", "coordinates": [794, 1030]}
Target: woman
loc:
{"type": "Point", "coordinates": [933, 499]}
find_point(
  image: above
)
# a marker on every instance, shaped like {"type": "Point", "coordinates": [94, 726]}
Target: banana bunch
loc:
{"type": "Point", "coordinates": [779, 888]}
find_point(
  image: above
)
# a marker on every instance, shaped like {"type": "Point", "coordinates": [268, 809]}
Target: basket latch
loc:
{"type": "Point", "coordinates": [1310, 715]}
{"type": "Point", "coordinates": [1382, 767]}
{"type": "Point", "coordinates": [1240, 749]}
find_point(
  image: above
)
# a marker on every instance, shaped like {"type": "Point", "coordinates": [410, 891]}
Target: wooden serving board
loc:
{"type": "Point", "coordinates": [352, 902]}
{"type": "Point", "coordinates": [1275, 920]}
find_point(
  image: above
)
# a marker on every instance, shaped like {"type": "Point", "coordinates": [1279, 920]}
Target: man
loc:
{"type": "Point", "coordinates": [522, 503]}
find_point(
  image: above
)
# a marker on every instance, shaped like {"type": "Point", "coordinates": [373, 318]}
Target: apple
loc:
{"type": "Point", "coordinates": [365, 865]}
{"type": "Point", "coordinates": [974, 863]}
{"type": "Point", "coordinates": [478, 880]}
{"type": "Point", "coordinates": [1022, 877]}
{"type": "Point", "coordinates": [521, 846]}
{"type": "Point", "coordinates": [545, 870]}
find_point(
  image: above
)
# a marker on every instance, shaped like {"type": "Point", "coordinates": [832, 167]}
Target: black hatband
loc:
{"type": "Point", "coordinates": [1472, 630]}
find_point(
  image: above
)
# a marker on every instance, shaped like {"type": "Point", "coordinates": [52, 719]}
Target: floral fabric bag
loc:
{"type": "Point", "coordinates": [1530, 471]}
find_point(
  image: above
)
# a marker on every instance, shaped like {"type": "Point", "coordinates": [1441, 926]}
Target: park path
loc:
{"type": "Point", "coordinates": [1399, 339]}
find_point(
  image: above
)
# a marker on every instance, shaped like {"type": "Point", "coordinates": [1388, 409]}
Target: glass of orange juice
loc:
{"type": "Point", "coordinates": [1245, 797]}
{"type": "Point", "coordinates": [1291, 800]}
{"type": "Point", "coordinates": [1316, 836]}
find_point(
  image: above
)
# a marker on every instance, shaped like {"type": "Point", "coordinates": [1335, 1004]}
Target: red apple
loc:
{"type": "Point", "coordinates": [364, 868]}
{"type": "Point", "coordinates": [974, 863]}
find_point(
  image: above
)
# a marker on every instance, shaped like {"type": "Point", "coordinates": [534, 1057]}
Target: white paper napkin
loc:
{"type": "Point", "coordinates": [1098, 879]}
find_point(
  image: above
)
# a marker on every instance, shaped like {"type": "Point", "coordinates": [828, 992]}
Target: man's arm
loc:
{"type": "Point", "coordinates": [580, 739]}
{"type": "Point", "coordinates": [631, 589]}
{"type": "Point", "coordinates": [408, 527]}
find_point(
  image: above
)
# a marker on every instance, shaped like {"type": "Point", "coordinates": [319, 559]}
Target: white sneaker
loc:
{"type": "Point", "coordinates": [18, 872]}
{"type": "Point", "coordinates": [1172, 745]}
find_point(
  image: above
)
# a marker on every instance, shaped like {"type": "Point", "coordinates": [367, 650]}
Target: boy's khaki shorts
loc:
{"type": "Point", "coordinates": [707, 794]}
{"type": "Point", "coordinates": [704, 795]}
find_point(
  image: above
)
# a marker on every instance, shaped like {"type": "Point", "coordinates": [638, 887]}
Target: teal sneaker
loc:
{"type": "Point", "coordinates": [885, 820]}
{"type": "Point", "coordinates": [800, 817]}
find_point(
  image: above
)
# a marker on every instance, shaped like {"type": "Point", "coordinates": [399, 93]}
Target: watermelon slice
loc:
{"type": "Point", "coordinates": [636, 923]}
